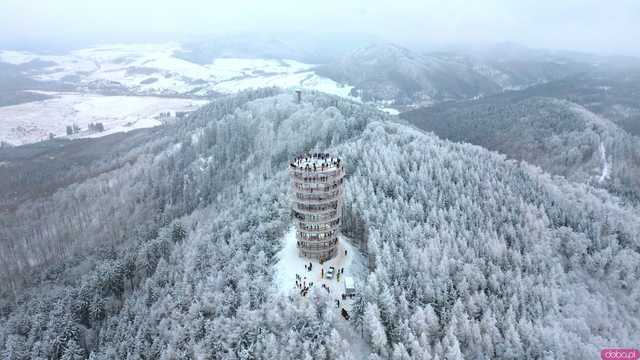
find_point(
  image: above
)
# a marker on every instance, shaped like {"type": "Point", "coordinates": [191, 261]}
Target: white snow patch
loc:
{"type": "Point", "coordinates": [390, 111]}
{"type": "Point", "coordinates": [289, 264]}
{"type": "Point", "coordinates": [16, 57]}
{"type": "Point", "coordinates": [204, 162]}
{"type": "Point", "coordinates": [34, 121]}
{"type": "Point", "coordinates": [358, 347]}
{"type": "Point", "coordinates": [605, 164]}
{"type": "Point", "coordinates": [306, 80]}
{"type": "Point", "coordinates": [195, 137]}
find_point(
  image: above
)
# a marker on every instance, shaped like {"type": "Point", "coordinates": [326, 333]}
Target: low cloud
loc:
{"type": "Point", "coordinates": [587, 25]}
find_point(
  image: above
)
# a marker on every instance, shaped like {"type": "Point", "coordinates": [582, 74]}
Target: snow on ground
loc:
{"type": "Point", "coordinates": [16, 57]}
{"type": "Point", "coordinates": [359, 348]}
{"type": "Point", "coordinates": [605, 164]}
{"type": "Point", "coordinates": [390, 111]}
{"type": "Point", "coordinates": [228, 68]}
{"type": "Point", "coordinates": [34, 121]}
{"type": "Point", "coordinates": [307, 80]}
{"type": "Point", "coordinates": [289, 264]}
{"type": "Point", "coordinates": [152, 69]}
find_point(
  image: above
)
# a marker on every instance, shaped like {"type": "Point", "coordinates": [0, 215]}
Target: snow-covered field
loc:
{"type": "Point", "coordinates": [153, 69]}
{"type": "Point", "coordinates": [34, 121]}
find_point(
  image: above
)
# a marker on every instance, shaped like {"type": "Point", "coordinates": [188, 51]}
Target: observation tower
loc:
{"type": "Point", "coordinates": [316, 202]}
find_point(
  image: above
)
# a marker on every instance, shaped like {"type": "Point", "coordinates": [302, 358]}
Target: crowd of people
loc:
{"type": "Point", "coordinates": [305, 162]}
{"type": "Point", "coordinates": [304, 285]}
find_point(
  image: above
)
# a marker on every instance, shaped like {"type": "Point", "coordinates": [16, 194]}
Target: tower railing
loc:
{"type": "Point", "coordinates": [302, 226]}
{"type": "Point", "coordinates": [316, 185]}
{"type": "Point", "coordinates": [324, 245]}
{"type": "Point", "coordinates": [318, 219]}
{"type": "Point", "coordinates": [319, 176]}
{"type": "Point", "coordinates": [311, 198]}
{"type": "Point", "coordinates": [320, 190]}
{"type": "Point", "coordinates": [313, 209]}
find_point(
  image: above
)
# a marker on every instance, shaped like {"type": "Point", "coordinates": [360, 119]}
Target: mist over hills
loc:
{"type": "Point", "coordinates": [583, 128]}
{"type": "Point", "coordinates": [499, 211]}
{"type": "Point", "coordinates": [308, 48]}
{"type": "Point", "coordinates": [387, 72]}
{"type": "Point", "coordinates": [391, 73]}
{"type": "Point", "coordinates": [611, 92]}
{"type": "Point", "coordinates": [368, 69]}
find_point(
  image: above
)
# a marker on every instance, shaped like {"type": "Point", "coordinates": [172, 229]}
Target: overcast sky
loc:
{"type": "Point", "coordinates": [605, 26]}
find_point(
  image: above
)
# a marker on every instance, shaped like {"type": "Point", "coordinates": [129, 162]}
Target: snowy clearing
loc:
{"type": "Point", "coordinates": [289, 264]}
{"type": "Point", "coordinates": [31, 122]}
{"type": "Point", "coordinates": [390, 111]}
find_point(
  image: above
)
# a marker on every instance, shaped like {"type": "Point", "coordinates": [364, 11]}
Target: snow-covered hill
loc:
{"type": "Point", "coordinates": [469, 255]}
{"type": "Point", "coordinates": [558, 135]}
{"type": "Point", "coordinates": [388, 72]}
{"type": "Point", "coordinates": [154, 69]}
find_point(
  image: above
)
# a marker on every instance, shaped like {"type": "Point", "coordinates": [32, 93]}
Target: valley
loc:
{"type": "Point", "coordinates": [486, 204]}
{"type": "Point", "coordinates": [564, 135]}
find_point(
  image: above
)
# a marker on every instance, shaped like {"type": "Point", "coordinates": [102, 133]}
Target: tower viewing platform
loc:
{"type": "Point", "coordinates": [316, 202]}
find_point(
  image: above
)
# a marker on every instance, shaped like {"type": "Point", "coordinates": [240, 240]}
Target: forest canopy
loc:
{"type": "Point", "coordinates": [167, 252]}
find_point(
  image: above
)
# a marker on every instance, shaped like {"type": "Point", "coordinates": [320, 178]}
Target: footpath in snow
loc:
{"type": "Point", "coordinates": [290, 264]}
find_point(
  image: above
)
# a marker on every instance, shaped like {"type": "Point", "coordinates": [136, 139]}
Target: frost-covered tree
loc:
{"type": "Point", "coordinates": [471, 255]}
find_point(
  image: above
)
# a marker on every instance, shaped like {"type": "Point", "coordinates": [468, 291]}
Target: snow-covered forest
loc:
{"type": "Point", "coordinates": [166, 250]}
{"type": "Point", "coordinates": [560, 136]}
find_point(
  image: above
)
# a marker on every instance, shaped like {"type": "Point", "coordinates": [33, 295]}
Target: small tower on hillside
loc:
{"type": "Point", "coordinates": [316, 202]}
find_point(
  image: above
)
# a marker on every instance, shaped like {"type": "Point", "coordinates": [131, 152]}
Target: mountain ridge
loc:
{"type": "Point", "coordinates": [561, 136]}
{"type": "Point", "coordinates": [472, 254]}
